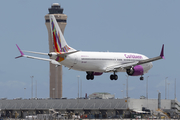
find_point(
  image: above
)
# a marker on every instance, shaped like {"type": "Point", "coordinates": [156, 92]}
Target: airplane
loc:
{"type": "Point", "coordinates": [94, 63]}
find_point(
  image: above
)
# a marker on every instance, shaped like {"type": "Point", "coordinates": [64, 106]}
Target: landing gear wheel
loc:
{"type": "Point", "coordinates": [92, 77]}
{"type": "Point", "coordinates": [89, 76]}
{"type": "Point", "coordinates": [141, 78]}
{"type": "Point", "coordinates": [112, 77]}
{"type": "Point", "coordinates": [115, 77]}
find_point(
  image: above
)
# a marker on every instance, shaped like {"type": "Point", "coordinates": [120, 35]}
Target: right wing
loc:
{"type": "Point", "coordinates": [129, 65]}
{"type": "Point", "coordinates": [38, 58]}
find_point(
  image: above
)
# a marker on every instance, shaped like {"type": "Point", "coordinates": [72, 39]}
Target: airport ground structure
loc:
{"type": "Point", "coordinates": [90, 108]}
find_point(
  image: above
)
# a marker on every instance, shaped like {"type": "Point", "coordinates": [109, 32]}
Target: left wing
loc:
{"type": "Point", "coordinates": [60, 54]}
{"type": "Point", "coordinates": [128, 65]}
{"type": "Point", "coordinates": [38, 58]}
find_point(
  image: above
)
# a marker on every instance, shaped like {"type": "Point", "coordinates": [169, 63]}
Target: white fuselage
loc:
{"type": "Point", "coordinates": [101, 61]}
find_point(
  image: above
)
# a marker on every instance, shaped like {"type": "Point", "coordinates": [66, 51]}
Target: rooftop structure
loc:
{"type": "Point", "coordinates": [103, 107]}
{"type": "Point", "coordinates": [101, 95]}
{"type": "Point", "coordinates": [55, 9]}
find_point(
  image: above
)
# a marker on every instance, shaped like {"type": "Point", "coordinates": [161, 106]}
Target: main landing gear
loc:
{"type": "Point", "coordinates": [89, 75]}
{"type": "Point", "coordinates": [113, 76]}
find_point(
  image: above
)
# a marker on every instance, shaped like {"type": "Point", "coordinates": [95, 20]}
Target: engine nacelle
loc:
{"type": "Point", "coordinates": [135, 71]}
{"type": "Point", "coordinates": [53, 55]}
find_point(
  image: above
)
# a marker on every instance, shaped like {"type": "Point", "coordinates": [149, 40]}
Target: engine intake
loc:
{"type": "Point", "coordinates": [52, 55]}
{"type": "Point", "coordinates": [135, 71]}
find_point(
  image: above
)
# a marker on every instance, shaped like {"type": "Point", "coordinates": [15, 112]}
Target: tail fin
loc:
{"type": "Point", "coordinates": [59, 42]}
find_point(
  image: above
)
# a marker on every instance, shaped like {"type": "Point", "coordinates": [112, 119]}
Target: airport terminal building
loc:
{"type": "Point", "coordinates": [88, 108]}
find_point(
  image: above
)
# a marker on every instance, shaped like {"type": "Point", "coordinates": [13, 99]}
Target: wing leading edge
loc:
{"type": "Point", "coordinates": [129, 65]}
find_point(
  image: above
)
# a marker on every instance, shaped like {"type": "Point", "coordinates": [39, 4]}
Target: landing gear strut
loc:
{"type": "Point", "coordinates": [141, 78]}
{"type": "Point", "coordinates": [113, 76]}
{"type": "Point", "coordinates": [89, 75]}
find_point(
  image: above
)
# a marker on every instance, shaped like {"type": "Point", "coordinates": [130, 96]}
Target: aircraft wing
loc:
{"type": "Point", "coordinates": [38, 58]}
{"type": "Point", "coordinates": [122, 66]}
{"type": "Point", "coordinates": [35, 52]}
{"type": "Point", "coordinates": [60, 54]}
{"type": "Point", "coordinates": [128, 65]}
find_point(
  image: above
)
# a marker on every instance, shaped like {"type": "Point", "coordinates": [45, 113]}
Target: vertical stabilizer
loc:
{"type": "Point", "coordinates": [59, 42]}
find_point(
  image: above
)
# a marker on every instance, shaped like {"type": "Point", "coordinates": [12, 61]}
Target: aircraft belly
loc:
{"type": "Point", "coordinates": [67, 63]}
{"type": "Point", "coordinates": [89, 66]}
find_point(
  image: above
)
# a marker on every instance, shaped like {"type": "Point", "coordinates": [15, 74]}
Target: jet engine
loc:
{"type": "Point", "coordinates": [53, 55]}
{"type": "Point", "coordinates": [135, 71]}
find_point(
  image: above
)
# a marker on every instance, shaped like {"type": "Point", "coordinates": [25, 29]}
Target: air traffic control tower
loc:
{"type": "Point", "coordinates": [55, 88]}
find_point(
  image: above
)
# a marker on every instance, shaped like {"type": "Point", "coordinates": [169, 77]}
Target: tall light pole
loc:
{"type": "Point", "coordinates": [175, 89]}
{"type": "Point", "coordinates": [32, 86]}
{"type": "Point", "coordinates": [165, 87]}
{"type": "Point", "coordinates": [123, 89]}
{"type": "Point", "coordinates": [36, 88]}
{"type": "Point", "coordinates": [24, 92]}
{"type": "Point", "coordinates": [127, 86]}
{"type": "Point", "coordinates": [147, 88]}
{"type": "Point", "coordinates": [81, 88]}
{"type": "Point", "coordinates": [78, 85]}
{"type": "Point", "coordinates": [168, 90]}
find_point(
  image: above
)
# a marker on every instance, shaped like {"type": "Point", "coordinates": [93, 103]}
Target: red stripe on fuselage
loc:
{"type": "Point", "coordinates": [55, 43]}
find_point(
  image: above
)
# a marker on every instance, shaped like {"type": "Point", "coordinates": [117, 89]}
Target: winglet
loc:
{"type": "Point", "coordinates": [162, 52]}
{"type": "Point", "coordinates": [22, 54]}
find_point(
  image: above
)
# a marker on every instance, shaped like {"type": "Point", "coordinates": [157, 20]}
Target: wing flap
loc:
{"type": "Point", "coordinates": [122, 66]}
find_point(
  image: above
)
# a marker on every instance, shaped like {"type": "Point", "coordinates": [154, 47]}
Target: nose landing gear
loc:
{"type": "Point", "coordinates": [141, 78]}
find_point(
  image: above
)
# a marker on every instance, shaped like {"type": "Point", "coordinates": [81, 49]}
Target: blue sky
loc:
{"type": "Point", "coordinates": [103, 25]}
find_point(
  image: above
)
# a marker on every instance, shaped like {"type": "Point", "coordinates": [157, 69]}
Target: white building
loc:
{"type": "Point", "coordinates": [99, 95]}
